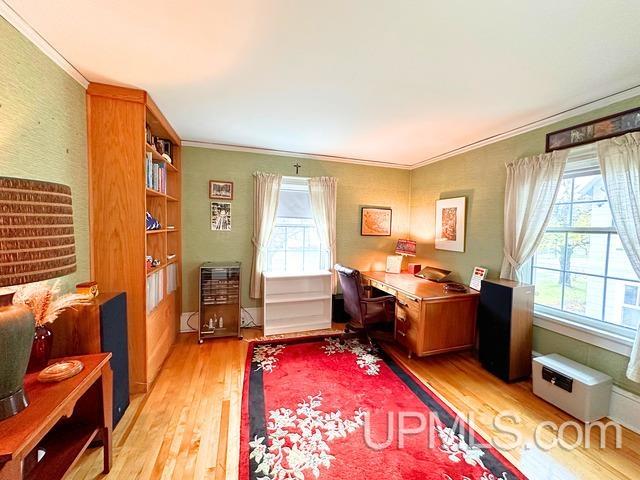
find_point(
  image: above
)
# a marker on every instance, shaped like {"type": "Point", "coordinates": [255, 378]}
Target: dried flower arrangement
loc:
{"type": "Point", "coordinates": [45, 301]}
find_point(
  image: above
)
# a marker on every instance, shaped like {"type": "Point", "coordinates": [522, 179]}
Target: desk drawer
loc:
{"type": "Point", "coordinates": [383, 287]}
{"type": "Point", "coordinates": [407, 327]}
{"type": "Point", "coordinates": [408, 303]}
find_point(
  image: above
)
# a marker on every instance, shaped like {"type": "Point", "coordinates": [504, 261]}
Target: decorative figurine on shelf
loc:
{"type": "Point", "coordinates": [151, 223]}
{"type": "Point", "coordinates": [156, 262]}
{"type": "Point", "coordinates": [46, 305]}
{"type": "Point", "coordinates": [88, 288]}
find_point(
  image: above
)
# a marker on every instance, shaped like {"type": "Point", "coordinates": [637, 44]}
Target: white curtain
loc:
{"type": "Point", "coordinates": [532, 186]}
{"type": "Point", "coordinates": [620, 165]}
{"type": "Point", "coordinates": [266, 191]}
{"type": "Point", "coordinates": [323, 194]}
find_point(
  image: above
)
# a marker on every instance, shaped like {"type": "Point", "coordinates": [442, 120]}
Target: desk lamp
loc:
{"type": "Point", "coordinates": [404, 248]}
{"type": "Point", "coordinates": [36, 243]}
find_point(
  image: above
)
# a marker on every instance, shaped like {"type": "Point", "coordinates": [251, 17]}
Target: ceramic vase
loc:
{"type": "Point", "coordinates": [16, 340]}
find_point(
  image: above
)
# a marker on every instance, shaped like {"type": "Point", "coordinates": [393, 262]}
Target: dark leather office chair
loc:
{"type": "Point", "coordinates": [365, 313]}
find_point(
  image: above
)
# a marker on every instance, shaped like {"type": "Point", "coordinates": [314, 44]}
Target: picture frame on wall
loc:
{"type": "Point", "coordinates": [220, 190]}
{"type": "Point", "coordinates": [450, 224]}
{"type": "Point", "coordinates": [220, 216]}
{"type": "Point", "coordinates": [605, 127]}
{"type": "Point", "coordinates": [375, 222]}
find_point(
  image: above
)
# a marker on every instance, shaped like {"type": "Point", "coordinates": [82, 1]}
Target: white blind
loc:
{"type": "Point", "coordinates": [294, 198]}
{"type": "Point", "coordinates": [582, 160]}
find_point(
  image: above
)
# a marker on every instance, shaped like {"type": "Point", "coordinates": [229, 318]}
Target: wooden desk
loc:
{"type": "Point", "coordinates": [62, 419]}
{"type": "Point", "coordinates": [428, 319]}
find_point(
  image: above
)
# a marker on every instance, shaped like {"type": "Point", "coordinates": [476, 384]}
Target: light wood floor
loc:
{"type": "Point", "coordinates": [187, 426]}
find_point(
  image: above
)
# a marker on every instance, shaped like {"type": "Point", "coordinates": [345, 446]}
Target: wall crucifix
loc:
{"type": "Point", "coordinates": [297, 167]}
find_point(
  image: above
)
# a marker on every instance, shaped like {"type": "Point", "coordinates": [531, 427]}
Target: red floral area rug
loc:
{"type": "Point", "coordinates": [338, 409]}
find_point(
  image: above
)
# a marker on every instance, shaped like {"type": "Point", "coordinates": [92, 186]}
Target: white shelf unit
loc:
{"type": "Point", "coordinates": [296, 302]}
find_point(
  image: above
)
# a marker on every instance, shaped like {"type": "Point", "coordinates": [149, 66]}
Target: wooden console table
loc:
{"type": "Point", "coordinates": [62, 419]}
{"type": "Point", "coordinates": [428, 319]}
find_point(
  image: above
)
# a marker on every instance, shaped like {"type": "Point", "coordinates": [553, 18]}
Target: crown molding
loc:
{"type": "Point", "coordinates": [572, 112]}
{"type": "Point", "coordinates": [20, 24]}
{"type": "Point", "coordinates": [286, 153]}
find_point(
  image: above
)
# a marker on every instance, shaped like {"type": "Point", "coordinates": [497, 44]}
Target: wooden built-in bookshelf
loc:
{"type": "Point", "coordinates": [119, 198]}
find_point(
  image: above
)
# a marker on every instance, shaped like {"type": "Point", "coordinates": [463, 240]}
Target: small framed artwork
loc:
{"type": "Point", "coordinates": [220, 190]}
{"type": "Point", "coordinates": [605, 127]}
{"type": "Point", "coordinates": [220, 216]}
{"type": "Point", "coordinates": [450, 224]}
{"type": "Point", "coordinates": [375, 222]}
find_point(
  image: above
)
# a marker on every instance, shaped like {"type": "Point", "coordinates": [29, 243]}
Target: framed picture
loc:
{"type": "Point", "coordinates": [220, 216]}
{"type": "Point", "coordinates": [450, 224]}
{"type": "Point", "coordinates": [220, 190]}
{"type": "Point", "coordinates": [605, 127]}
{"type": "Point", "coordinates": [375, 222]}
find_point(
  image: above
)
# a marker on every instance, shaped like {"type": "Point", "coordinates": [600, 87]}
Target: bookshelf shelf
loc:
{"type": "Point", "coordinates": [122, 122]}
{"type": "Point", "coordinates": [155, 193]}
{"type": "Point", "coordinates": [160, 159]}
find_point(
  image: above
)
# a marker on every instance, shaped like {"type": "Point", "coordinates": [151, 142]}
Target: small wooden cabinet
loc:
{"type": "Point", "coordinates": [47, 438]}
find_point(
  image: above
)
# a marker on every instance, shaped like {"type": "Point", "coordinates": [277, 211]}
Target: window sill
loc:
{"type": "Point", "coordinates": [584, 333]}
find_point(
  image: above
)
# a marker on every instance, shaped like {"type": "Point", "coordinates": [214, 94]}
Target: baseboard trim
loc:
{"type": "Point", "coordinates": [250, 317]}
{"type": "Point", "coordinates": [625, 409]}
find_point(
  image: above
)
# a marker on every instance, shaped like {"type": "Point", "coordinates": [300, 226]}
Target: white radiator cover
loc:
{"type": "Point", "coordinates": [590, 392]}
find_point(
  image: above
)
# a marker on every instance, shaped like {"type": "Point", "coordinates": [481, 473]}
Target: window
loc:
{"type": "Point", "coordinates": [580, 269]}
{"type": "Point", "coordinates": [294, 245]}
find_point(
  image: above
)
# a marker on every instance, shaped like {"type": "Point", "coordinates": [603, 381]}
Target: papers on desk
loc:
{"type": "Point", "coordinates": [479, 274]}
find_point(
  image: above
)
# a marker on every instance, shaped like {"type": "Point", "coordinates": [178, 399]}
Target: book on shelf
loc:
{"type": "Point", "coordinates": [155, 290]}
{"type": "Point", "coordinates": [172, 277]}
{"type": "Point", "coordinates": [156, 174]}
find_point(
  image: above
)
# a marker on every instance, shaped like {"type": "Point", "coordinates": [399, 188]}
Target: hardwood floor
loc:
{"type": "Point", "coordinates": [187, 426]}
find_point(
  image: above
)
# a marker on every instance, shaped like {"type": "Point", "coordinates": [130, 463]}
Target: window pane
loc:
{"type": "Point", "coordinates": [583, 295]}
{"type": "Point", "coordinates": [277, 261]}
{"type": "Point", "coordinates": [295, 261]}
{"type": "Point", "coordinates": [311, 260]}
{"type": "Point", "coordinates": [590, 187]}
{"type": "Point", "coordinates": [630, 295]}
{"type": "Point", "coordinates": [618, 311]}
{"type": "Point", "coordinates": [550, 253]}
{"type": "Point", "coordinates": [311, 240]}
{"type": "Point", "coordinates": [295, 237]}
{"type": "Point", "coordinates": [597, 214]}
{"type": "Point", "coordinates": [548, 287]}
{"type": "Point", "coordinates": [560, 216]}
{"type": "Point", "coordinates": [586, 253]}
{"type": "Point", "coordinates": [619, 264]}
{"type": "Point", "coordinates": [564, 194]}
{"type": "Point", "coordinates": [277, 241]}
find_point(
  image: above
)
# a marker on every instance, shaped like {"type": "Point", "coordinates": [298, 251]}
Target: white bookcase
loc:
{"type": "Point", "coordinates": [296, 302]}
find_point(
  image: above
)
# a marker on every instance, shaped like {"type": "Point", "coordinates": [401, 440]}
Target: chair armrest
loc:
{"type": "Point", "coordinates": [384, 298]}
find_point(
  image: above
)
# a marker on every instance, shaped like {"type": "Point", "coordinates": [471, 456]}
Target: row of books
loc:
{"type": "Point", "coordinates": [155, 290]}
{"type": "Point", "coordinates": [172, 277]}
{"type": "Point", "coordinates": [156, 175]}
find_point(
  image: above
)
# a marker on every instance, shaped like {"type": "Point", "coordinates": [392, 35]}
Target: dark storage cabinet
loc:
{"type": "Point", "coordinates": [505, 323]}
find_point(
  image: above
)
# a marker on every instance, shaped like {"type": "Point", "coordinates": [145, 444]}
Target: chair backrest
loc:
{"type": "Point", "coordinates": [352, 290]}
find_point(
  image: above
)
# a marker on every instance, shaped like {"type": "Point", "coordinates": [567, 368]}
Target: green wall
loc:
{"type": "Point", "coordinates": [480, 175]}
{"type": "Point", "coordinates": [358, 185]}
{"type": "Point", "coordinates": [43, 132]}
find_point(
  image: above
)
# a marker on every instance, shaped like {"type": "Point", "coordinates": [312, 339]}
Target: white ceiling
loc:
{"type": "Point", "coordinates": [390, 81]}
